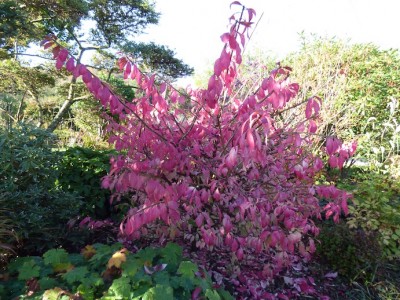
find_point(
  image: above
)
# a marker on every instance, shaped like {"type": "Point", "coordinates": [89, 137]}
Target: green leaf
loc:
{"type": "Point", "coordinates": [45, 271]}
{"type": "Point", "coordinates": [121, 288]}
{"type": "Point", "coordinates": [28, 270]}
{"type": "Point", "coordinates": [17, 263]}
{"type": "Point", "coordinates": [93, 279]}
{"type": "Point", "coordinates": [102, 255]}
{"type": "Point", "coordinates": [146, 255]}
{"type": "Point", "coordinates": [187, 269]}
{"type": "Point", "coordinates": [159, 292]}
{"type": "Point", "coordinates": [162, 278]}
{"type": "Point", "coordinates": [140, 288]}
{"type": "Point", "coordinates": [76, 259]}
{"type": "Point", "coordinates": [212, 295]}
{"type": "Point", "coordinates": [225, 294]}
{"type": "Point", "coordinates": [172, 254]}
{"type": "Point", "coordinates": [188, 284]}
{"type": "Point", "coordinates": [52, 294]}
{"type": "Point", "coordinates": [76, 275]}
{"type": "Point", "coordinates": [55, 257]}
{"type": "Point", "coordinates": [86, 291]}
{"type": "Point", "coordinates": [47, 283]}
{"type": "Point", "coordinates": [131, 266]}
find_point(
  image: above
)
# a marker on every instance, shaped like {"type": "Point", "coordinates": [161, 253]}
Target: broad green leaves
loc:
{"type": "Point", "coordinates": [55, 256]}
{"type": "Point", "coordinates": [28, 270]}
{"type": "Point", "coordinates": [111, 273]}
{"type": "Point", "coordinates": [77, 274]}
{"type": "Point", "coordinates": [187, 269]}
{"type": "Point", "coordinates": [120, 288]}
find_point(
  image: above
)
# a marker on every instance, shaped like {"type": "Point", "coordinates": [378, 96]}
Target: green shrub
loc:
{"type": "Point", "coordinates": [376, 209]}
{"type": "Point", "coordinates": [6, 233]}
{"type": "Point", "coordinates": [109, 272]}
{"type": "Point", "coordinates": [80, 172]}
{"type": "Point", "coordinates": [354, 254]}
{"type": "Point", "coordinates": [38, 209]}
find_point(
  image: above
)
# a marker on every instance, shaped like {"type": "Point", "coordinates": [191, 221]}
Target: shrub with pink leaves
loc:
{"type": "Point", "coordinates": [222, 173]}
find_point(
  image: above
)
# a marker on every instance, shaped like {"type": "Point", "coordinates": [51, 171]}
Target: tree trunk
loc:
{"type": "Point", "coordinates": [70, 98]}
{"type": "Point", "coordinates": [64, 108]}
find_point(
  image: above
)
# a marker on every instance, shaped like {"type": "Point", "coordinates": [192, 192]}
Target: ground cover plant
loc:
{"type": "Point", "coordinates": [109, 272]}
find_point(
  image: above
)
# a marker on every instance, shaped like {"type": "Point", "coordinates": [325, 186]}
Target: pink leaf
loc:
{"type": "Point", "coordinates": [128, 230]}
{"type": "Point", "coordinates": [163, 87]}
{"type": "Point", "coordinates": [218, 67]}
{"type": "Point", "coordinates": [235, 3]}
{"type": "Point", "coordinates": [87, 77]}
{"type": "Point", "coordinates": [232, 42]}
{"type": "Point", "coordinates": [84, 221]}
{"type": "Point", "coordinates": [70, 66]}
{"type": "Point", "coordinates": [251, 12]}
{"type": "Point", "coordinates": [238, 58]}
{"type": "Point", "coordinates": [226, 222]}
{"type": "Point", "coordinates": [239, 253]}
{"type": "Point", "coordinates": [59, 64]}
{"type": "Point", "coordinates": [217, 195]}
{"type": "Point", "coordinates": [225, 60]}
{"type": "Point", "coordinates": [56, 51]}
{"type": "Point", "coordinates": [225, 37]}
{"type": "Point", "coordinates": [75, 72]}
{"type": "Point", "coordinates": [231, 159]}
{"type": "Point", "coordinates": [63, 54]}
{"type": "Point", "coordinates": [312, 246]}
{"type": "Point", "coordinates": [332, 145]}
{"type": "Point", "coordinates": [181, 99]}
{"type": "Point", "coordinates": [312, 127]}
{"type": "Point", "coordinates": [48, 44]}
{"type": "Point", "coordinates": [199, 220]}
{"type": "Point", "coordinates": [313, 104]}
{"type": "Point", "coordinates": [128, 69]}
{"type": "Point", "coordinates": [82, 69]}
{"type": "Point", "coordinates": [96, 84]}
{"type": "Point", "coordinates": [122, 62]}
{"type": "Point", "coordinates": [309, 108]}
{"type": "Point", "coordinates": [235, 245]}
{"type": "Point", "coordinates": [333, 162]}
{"type": "Point", "coordinates": [105, 95]}
{"type": "Point", "coordinates": [250, 140]}
{"type": "Point", "coordinates": [196, 293]}
{"type": "Point", "coordinates": [345, 207]}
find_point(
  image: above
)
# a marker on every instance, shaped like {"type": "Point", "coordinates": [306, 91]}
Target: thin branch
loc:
{"type": "Point", "coordinates": [252, 32]}
{"type": "Point", "coordinates": [34, 55]}
{"type": "Point", "coordinates": [291, 107]}
{"type": "Point", "coordinates": [20, 106]}
{"type": "Point", "coordinates": [8, 114]}
{"type": "Point", "coordinates": [81, 98]}
{"type": "Point", "coordinates": [193, 122]}
{"type": "Point", "coordinates": [94, 48]}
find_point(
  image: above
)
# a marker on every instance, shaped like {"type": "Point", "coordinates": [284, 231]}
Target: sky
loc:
{"type": "Point", "coordinates": [192, 27]}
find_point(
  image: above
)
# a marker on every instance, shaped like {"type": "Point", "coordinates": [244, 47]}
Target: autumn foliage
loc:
{"type": "Point", "coordinates": [222, 173]}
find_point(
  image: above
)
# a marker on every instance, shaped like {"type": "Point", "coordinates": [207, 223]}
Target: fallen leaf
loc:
{"type": "Point", "coordinates": [331, 275]}
{"type": "Point", "coordinates": [88, 252]}
{"type": "Point", "coordinates": [117, 259]}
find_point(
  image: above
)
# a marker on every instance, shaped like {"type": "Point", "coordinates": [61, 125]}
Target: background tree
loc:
{"type": "Point", "coordinates": [358, 85]}
{"type": "Point", "coordinates": [102, 26]}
